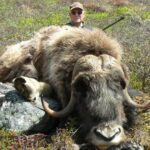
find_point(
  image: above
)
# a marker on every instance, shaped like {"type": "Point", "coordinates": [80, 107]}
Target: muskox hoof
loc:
{"type": "Point", "coordinates": [27, 87]}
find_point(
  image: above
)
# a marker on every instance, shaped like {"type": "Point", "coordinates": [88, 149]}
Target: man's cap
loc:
{"type": "Point", "coordinates": [76, 5]}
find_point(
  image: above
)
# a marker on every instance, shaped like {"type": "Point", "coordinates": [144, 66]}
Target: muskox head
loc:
{"type": "Point", "coordinates": [98, 85]}
{"type": "Point", "coordinates": [97, 93]}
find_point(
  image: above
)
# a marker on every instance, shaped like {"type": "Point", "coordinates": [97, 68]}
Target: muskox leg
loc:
{"type": "Point", "coordinates": [31, 88]}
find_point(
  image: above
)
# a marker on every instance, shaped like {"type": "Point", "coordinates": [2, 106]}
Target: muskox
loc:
{"type": "Point", "coordinates": [83, 70]}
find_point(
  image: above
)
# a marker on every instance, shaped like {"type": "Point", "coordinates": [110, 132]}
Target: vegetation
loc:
{"type": "Point", "coordinates": [21, 18]}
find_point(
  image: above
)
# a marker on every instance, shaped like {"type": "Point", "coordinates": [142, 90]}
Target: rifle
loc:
{"type": "Point", "coordinates": [121, 18]}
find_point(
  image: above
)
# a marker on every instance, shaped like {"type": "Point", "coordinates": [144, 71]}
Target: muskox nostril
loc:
{"type": "Point", "coordinates": [107, 134]}
{"type": "Point", "coordinates": [34, 99]}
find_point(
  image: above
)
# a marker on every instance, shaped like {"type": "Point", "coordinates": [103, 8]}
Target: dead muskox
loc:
{"type": "Point", "coordinates": [84, 70]}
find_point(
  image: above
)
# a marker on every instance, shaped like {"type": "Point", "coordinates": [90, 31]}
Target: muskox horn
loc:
{"type": "Point", "coordinates": [62, 113]}
{"type": "Point", "coordinates": [129, 100]}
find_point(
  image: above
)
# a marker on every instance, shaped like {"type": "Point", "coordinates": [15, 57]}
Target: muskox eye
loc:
{"type": "Point", "coordinates": [28, 59]}
{"type": "Point", "coordinates": [34, 99]}
{"type": "Point", "coordinates": [81, 85]}
{"type": "Point", "coordinates": [123, 83]}
{"type": "Point", "coordinates": [120, 83]}
{"type": "Point", "coordinates": [119, 80]}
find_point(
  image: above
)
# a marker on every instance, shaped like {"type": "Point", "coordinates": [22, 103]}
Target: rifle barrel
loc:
{"type": "Point", "coordinates": [121, 18]}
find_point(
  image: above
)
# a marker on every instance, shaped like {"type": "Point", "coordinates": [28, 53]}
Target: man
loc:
{"type": "Point", "coordinates": [77, 16]}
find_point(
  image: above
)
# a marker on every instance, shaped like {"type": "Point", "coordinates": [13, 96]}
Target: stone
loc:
{"type": "Point", "coordinates": [18, 114]}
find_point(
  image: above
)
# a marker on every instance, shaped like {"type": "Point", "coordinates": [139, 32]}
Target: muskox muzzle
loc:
{"type": "Point", "coordinates": [104, 136]}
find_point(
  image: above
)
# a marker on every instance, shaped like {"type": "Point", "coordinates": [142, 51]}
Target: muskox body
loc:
{"type": "Point", "coordinates": [83, 69]}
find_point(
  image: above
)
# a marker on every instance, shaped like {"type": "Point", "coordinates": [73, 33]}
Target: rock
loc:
{"type": "Point", "coordinates": [18, 114]}
{"type": "Point", "coordinates": [133, 92]}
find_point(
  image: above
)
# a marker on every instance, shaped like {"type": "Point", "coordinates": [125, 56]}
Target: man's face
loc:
{"type": "Point", "coordinates": [77, 15]}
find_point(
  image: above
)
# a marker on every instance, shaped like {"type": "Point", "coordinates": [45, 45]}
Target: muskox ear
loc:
{"type": "Point", "coordinates": [81, 84]}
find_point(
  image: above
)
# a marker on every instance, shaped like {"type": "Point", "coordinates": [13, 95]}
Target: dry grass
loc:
{"type": "Point", "coordinates": [140, 131]}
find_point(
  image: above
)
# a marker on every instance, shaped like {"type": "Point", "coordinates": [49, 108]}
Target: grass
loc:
{"type": "Point", "coordinates": [135, 82]}
{"type": "Point", "coordinates": [146, 15]}
{"type": "Point", "coordinates": [5, 139]}
{"type": "Point", "coordinates": [20, 18]}
{"type": "Point", "coordinates": [99, 15]}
